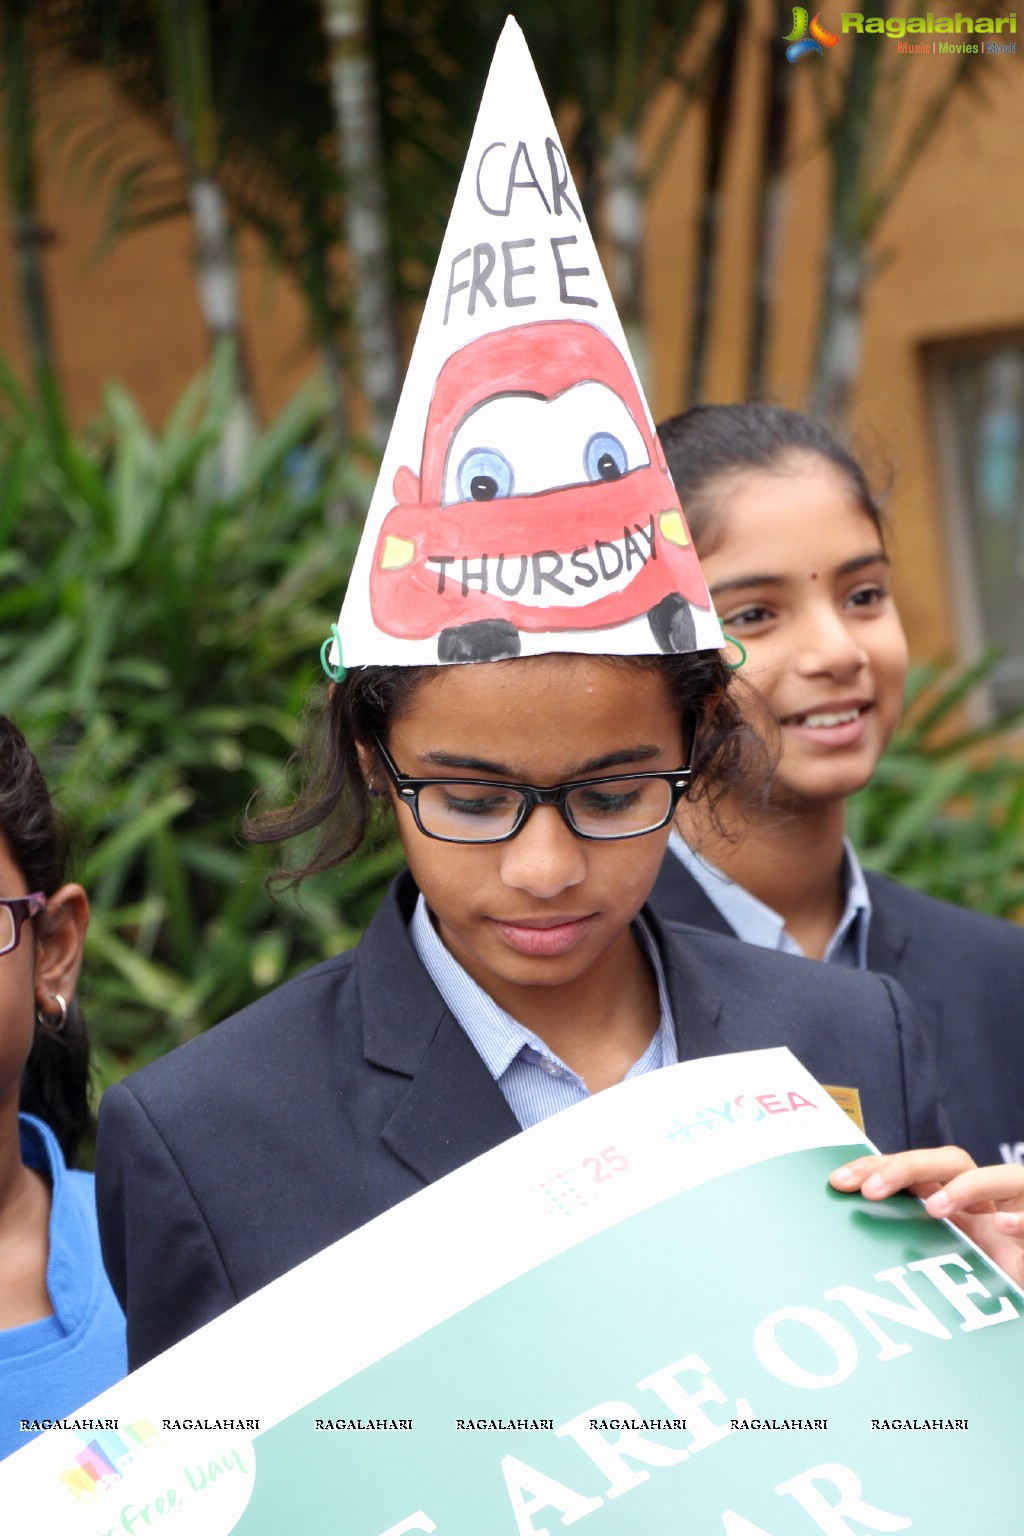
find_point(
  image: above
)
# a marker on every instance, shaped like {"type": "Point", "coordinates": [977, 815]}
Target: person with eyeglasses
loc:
{"type": "Point", "coordinates": [510, 972]}
{"type": "Point", "coordinates": [62, 1332]}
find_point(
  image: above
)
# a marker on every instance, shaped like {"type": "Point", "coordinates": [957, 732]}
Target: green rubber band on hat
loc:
{"type": "Point", "coordinates": [336, 673]}
{"type": "Point", "coordinates": [735, 665]}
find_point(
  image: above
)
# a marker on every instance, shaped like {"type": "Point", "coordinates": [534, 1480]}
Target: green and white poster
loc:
{"type": "Point", "coordinates": [648, 1316]}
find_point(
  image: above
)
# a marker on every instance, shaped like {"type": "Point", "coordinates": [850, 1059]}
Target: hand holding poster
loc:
{"type": "Point", "coordinates": [647, 1314]}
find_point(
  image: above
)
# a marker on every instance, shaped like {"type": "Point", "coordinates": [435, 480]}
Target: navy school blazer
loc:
{"type": "Point", "coordinates": [247, 1150]}
{"type": "Point", "coordinates": [964, 974]}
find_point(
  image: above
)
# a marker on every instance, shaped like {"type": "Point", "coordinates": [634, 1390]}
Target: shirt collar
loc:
{"type": "Point", "coordinates": [757, 923]}
{"type": "Point", "coordinates": [496, 1035]}
{"type": "Point", "coordinates": [856, 918]}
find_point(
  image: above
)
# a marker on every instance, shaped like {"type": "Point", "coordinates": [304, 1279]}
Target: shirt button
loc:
{"type": "Point", "coordinates": [551, 1068]}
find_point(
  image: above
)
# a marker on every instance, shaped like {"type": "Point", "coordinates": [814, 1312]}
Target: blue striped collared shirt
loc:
{"type": "Point", "coordinates": [535, 1082]}
{"type": "Point", "coordinates": [757, 923]}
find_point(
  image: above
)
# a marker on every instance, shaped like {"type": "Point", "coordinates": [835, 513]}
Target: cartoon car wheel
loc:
{"type": "Point", "coordinates": [482, 640]}
{"type": "Point", "coordinates": [672, 624]}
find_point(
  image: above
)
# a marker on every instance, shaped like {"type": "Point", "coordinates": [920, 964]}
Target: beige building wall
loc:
{"type": "Point", "coordinates": [949, 267]}
{"type": "Point", "coordinates": [132, 313]}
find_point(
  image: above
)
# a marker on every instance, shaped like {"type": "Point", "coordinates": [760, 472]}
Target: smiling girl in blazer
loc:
{"type": "Point", "coordinates": [793, 547]}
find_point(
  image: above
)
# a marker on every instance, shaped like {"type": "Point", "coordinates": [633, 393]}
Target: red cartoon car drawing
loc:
{"type": "Point", "coordinates": [543, 503]}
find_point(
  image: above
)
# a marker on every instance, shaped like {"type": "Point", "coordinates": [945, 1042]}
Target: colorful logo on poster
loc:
{"type": "Point", "coordinates": [107, 1456]}
{"type": "Point", "coordinates": [744, 1109]}
{"type": "Point", "coordinates": [800, 43]}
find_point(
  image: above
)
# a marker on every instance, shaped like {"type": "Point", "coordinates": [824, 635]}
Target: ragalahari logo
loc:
{"type": "Point", "coordinates": [107, 1455]}
{"type": "Point", "coordinates": [799, 43]}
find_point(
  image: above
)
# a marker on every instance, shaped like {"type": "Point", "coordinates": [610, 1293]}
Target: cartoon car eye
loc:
{"type": "Point", "coordinates": [484, 474]}
{"type": "Point", "coordinates": [604, 457]}
{"type": "Point", "coordinates": [582, 436]}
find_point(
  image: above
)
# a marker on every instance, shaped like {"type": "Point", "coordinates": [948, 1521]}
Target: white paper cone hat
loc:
{"type": "Point", "coordinates": [523, 504]}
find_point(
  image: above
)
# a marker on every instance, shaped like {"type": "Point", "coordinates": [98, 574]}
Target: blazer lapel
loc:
{"type": "Point", "coordinates": [896, 950]}
{"type": "Point", "coordinates": [696, 1005]}
{"type": "Point", "coordinates": [888, 933]}
{"type": "Point", "coordinates": [677, 896]}
{"type": "Point", "coordinates": [453, 1110]}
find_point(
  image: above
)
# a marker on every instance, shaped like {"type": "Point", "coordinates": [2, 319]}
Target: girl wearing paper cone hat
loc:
{"type": "Point", "coordinates": [793, 544]}
{"type": "Point", "coordinates": [533, 774]}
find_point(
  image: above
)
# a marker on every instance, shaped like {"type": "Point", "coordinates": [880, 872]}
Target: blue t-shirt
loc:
{"type": "Point", "coordinates": [51, 1367]}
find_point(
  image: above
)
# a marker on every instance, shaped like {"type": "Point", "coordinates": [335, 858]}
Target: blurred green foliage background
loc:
{"type": "Point", "coordinates": [159, 634]}
{"type": "Point", "coordinates": [944, 811]}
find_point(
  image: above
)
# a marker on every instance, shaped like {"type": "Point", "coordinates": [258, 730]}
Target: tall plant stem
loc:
{"type": "Point", "coordinates": [354, 95]}
{"type": "Point", "coordinates": [28, 236]}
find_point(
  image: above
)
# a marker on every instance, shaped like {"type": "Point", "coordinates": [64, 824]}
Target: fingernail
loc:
{"type": "Point", "coordinates": [843, 1176]}
{"type": "Point", "coordinates": [939, 1204]}
{"type": "Point", "coordinates": [874, 1185]}
{"type": "Point", "coordinates": [1007, 1221]}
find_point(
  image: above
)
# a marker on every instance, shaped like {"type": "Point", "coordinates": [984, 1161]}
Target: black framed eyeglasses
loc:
{"type": "Point", "coordinates": [487, 811]}
{"type": "Point", "coordinates": [15, 912]}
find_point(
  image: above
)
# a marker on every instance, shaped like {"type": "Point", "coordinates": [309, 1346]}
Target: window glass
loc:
{"type": "Point", "coordinates": [986, 399]}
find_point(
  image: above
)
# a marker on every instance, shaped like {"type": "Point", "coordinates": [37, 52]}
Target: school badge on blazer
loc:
{"type": "Point", "coordinates": [848, 1100]}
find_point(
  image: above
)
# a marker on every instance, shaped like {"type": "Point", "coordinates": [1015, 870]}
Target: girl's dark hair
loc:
{"type": "Point", "coordinates": [55, 1079]}
{"type": "Point", "coordinates": [334, 801]}
{"type": "Point", "coordinates": [710, 444]}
